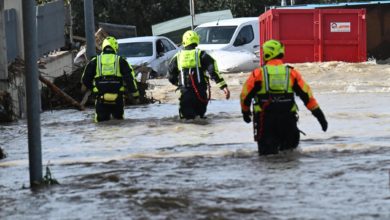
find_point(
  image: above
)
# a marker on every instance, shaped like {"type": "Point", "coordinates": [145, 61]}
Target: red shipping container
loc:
{"type": "Point", "coordinates": [316, 35]}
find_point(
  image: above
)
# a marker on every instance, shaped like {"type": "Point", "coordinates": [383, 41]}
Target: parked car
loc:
{"type": "Point", "coordinates": [230, 35]}
{"type": "Point", "coordinates": [234, 43]}
{"type": "Point", "coordinates": [152, 51]}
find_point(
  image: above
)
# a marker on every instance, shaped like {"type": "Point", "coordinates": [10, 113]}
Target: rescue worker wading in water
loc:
{"type": "Point", "coordinates": [187, 70]}
{"type": "Point", "coordinates": [107, 75]}
{"type": "Point", "coordinates": [272, 88]}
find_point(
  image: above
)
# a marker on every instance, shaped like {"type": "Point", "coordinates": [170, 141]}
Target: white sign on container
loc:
{"type": "Point", "coordinates": [340, 27]}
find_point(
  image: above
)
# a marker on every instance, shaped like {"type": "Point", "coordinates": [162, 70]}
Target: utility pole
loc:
{"type": "Point", "coordinates": [33, 102]}
{"type": "Point", "coordinates": [89, 28]}
{"type": "Point", "coordinates": [192, 13]}
{"type": "Point", "coordinates": [3, 51]}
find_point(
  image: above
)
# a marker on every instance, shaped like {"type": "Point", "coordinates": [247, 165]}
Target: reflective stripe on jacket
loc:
{"type": "Point", "coordinates": [188, 63]}
{"type": "Point", "coordinates": [185, 60]}
{"type": "Point", "coordinates": [108, 69]}
{"type": "Point", "coordinates": [188, 59]}
{"type": "Point", "coordinates": [278, 85]}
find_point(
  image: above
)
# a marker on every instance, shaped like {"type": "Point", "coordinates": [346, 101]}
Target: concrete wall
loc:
{"type": "Point", "coordinates": [3, 50]}
{"type": "Point", "coordinates": [17, 5]}
{"type": "Point", "coordinates": [17, 90]}
{"type": "Point", "coordinates": [58, 64]}
{"type": "Point", "coordinates": [55, 65]}
{"type": "Point", "coordinates": [15, 83]}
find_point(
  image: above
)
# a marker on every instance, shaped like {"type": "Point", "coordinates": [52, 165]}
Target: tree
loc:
{"type": "Point", "coordinates": [144, 13]}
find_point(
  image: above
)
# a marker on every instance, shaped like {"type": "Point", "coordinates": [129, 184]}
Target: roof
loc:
{"type": "Point", "coordinates": [341, 4]}
{"type": "Point", "coordinates": [233, 21]}
{"type": "Point", "coordinates": [185, 22]}
{"type": "Point", "coordinates": [138, 39]}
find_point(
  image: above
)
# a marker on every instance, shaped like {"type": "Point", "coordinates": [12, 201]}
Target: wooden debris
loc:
{"type": "Point", "coordinates": [100, 35]}
{"type": "Point", "coordinates": [59, 92]}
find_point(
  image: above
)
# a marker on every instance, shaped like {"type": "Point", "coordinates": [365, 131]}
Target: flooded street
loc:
{"type": "Point", "coordinates": [154, 166]}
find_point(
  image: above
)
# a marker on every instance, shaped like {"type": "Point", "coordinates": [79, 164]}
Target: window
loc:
{"type": "Point", "coordinates": [244, 36]}
{"type": "Point", "coordinates": [216, 34]}
{"type": "Point", "coordinates": [136, 49]}
{"type": "Point", "coordinates": [167, 45]}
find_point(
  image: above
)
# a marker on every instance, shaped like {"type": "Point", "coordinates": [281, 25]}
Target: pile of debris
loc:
{"type": "Point", "coordinates": [65, 91]}
{"type": "Point", "coordinates": [6, 112]}
{"type": "Point", "coordinates": [70, 84]}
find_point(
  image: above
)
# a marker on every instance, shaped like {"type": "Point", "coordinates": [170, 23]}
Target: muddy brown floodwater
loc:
{"type": "Point", "coordinates": [154, 166]}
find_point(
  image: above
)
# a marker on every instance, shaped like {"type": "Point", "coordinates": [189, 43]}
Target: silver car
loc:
{"type": "Point", "coordinates": [152, 51]}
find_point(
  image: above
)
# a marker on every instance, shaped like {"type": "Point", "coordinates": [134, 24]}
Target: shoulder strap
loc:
{"type": "Point", "coordinates": [287, 78]}
{"type": "Point", "coordinates": [265, 73]}
{"type": "Point", "coordinates": [99, 65]}
{"type": "Point", "coordinates": [197, 63]}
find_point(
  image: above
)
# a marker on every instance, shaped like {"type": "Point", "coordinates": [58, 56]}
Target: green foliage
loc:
{"type": "Point", "coordinates": [48, 179]}
{"type": "Point", "coordinates": [144, 13]}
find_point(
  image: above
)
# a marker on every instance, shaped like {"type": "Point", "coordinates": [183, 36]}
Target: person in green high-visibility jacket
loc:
{"type": "Point", "coordinates": [187, 70]}
{"type": "Point", "coordinates": [108, 75]}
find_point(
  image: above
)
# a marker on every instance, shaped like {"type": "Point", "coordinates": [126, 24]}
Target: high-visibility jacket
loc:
{"type": "Point", "coordinates": [193, 63]}
{"type": "Point", "coordinates": [275, 84]}
{"type": "Point", "coordinates": [108, 77]}
{"type": "Point", "coordinates": [107, 72]}
{"type": "Point", "coordinates": [188, 63]}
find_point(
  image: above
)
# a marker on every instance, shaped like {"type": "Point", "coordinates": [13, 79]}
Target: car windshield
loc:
{"type": "Point", "coordinates": [216, 34]}
{"type": "Point", "coordinates": [136, 49]}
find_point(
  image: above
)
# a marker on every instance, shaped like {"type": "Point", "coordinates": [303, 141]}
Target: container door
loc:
{"type": "Point", "coordinates": [297, 29]}
{"type": "Point", "coordinates": [298, 32]}
{"type": "Point", "coordinates": [343, 35]}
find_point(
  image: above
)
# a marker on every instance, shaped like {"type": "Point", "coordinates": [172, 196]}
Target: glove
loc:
{"type": "Point", "coordinates": [227, 92]}
{"type": "Point", "coordinates": [247, 116]}
{"type": "Point", "coordinates": [135, 100]}
{"type": "Point", "coordinates": [321, 118]}
{"type": "Point", "coordinates": [84, 89]}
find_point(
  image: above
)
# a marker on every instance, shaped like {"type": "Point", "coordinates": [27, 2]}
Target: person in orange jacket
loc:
{"type": "Point", "coordinates": [270, 90]}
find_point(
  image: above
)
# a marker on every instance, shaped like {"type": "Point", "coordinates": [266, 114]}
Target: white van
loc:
{"type": "Point", "coordinates": [231, 34]}
{"type": "Point", "coordinates": [234, 43]}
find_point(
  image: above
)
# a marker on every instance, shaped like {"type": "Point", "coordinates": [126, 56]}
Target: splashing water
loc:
{"type": "Point", "coordinates": [153, 165]}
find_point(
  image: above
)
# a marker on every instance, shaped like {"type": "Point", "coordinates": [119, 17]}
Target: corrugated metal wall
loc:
{"type": "Point", "coordinates": [11, 34]}
{"type": "Point", "coordinates": [51, 27]}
